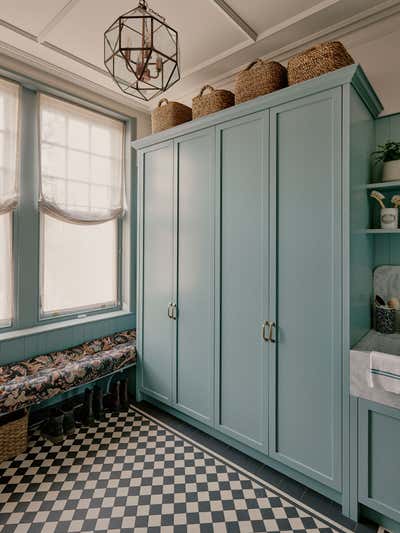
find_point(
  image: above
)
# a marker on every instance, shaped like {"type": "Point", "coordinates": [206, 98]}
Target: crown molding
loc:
{"type": "Point", "coordinates": [48, 68]}
{"type": "Point", "coordinates": [336, 31]}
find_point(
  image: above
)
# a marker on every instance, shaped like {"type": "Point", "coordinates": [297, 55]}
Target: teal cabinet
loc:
{"type": "Point", "coordinates": [245, 228]}
{"type": "Point", "coordinates": [176, 267]}
{"type": "Point", "coordinates": [195, 170]}
{"type": "Point", "coordinates": [242, 302]}
{"type": "Point", "coordinates": [156, 347]}
{"type": "Point", "coordinates": [379, 458]}
{"type": "Point", "coordinates": [305, 374]}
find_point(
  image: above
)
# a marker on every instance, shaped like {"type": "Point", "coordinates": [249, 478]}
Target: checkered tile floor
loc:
{"type": "Point", "coordinates": [132, 473]}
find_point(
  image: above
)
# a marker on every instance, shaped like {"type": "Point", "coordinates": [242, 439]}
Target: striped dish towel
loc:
{"type": "Point", "coordinates": [384, 372]}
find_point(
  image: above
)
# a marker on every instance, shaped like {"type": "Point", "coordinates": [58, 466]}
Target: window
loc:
{"type": "Point", "coordinates": [9, 145]}
{"type": "Point", "coordinates": [81, 198]}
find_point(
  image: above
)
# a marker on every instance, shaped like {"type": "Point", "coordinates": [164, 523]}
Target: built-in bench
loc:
{"type": "Point", "coordinates": [42, 377]}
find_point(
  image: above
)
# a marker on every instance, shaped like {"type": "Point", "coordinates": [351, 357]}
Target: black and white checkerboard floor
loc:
{"type": "Point", "coordinates": [133, 473]}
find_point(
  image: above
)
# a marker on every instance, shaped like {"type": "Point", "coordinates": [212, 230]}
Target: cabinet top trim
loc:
{"type": "Point", "coordinates": [353, 74]}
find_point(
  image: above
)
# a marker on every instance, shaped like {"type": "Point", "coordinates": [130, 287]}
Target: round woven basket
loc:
{"type": "Point", "coordinates": [13, 435]}
{"type": "Point", "coordinates": [258, 78]}
{"type": "Point", "coordinates": [169, 115]}
{"type": "Point", "coordinates": [215, 100]}
{"type": "Point", "coordinates": [318, 60]}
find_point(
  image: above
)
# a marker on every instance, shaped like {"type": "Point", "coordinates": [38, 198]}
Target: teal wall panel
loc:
{"type": "Point", "coordinates": [362, 143]}
{"type": "Point", "coordinates": [243, 363]}
{"type": "Point", "coordinates": [195, 156]}
{"type": "Point", "coordinates": [305, 385]}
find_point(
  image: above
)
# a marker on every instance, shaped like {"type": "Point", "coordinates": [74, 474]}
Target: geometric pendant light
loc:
{"type": "Point", "coordinates": [141, 53]}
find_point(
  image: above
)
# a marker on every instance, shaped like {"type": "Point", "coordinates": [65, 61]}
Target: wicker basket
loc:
{"type": "Point", "coordinates": [258, 78]}
{"type": "Point", "coordinates": [169, 115]}
{"type": "Point", "coordinates": [318, 60]}
{"type": "Point", "coordinates": [215, 100]}
{"type": "Point", "coordinates": [13, 435]}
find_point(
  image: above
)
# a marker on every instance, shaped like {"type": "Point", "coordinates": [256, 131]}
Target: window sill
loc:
{"type": "Point", "coordinates": [42, 328]}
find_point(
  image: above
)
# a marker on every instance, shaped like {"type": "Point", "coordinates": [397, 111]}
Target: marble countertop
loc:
{"type": "Point", "coordinates": [359, 367]}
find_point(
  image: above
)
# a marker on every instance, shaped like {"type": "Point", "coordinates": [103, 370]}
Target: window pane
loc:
{"type": "Point", "coordinates": [6, 270]}
{"type": "Point", "coordinates": [79, 266]}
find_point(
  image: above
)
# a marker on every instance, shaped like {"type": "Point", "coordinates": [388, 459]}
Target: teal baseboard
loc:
{"type": "Point", "coordinates": [310, 483]}
{"type": "Point", "coordinates": [380, 519]}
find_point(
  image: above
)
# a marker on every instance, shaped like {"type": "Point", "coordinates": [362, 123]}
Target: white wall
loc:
{"type": "Point", "coordinates": [377, 49]}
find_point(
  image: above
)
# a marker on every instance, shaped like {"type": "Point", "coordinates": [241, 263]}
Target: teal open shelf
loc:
{"type": "Point", "coordinates": [387, 185]}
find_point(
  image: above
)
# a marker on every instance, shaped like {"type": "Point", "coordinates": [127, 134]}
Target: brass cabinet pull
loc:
{"type": "Point", "coordinates": [272, 326]}
{"type": "Point", "coordinates": [170, 310]}
{"type": "Point", "coordinates": [264, 326]}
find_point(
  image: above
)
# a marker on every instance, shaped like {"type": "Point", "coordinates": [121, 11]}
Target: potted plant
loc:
{"type": "Point", "coordinates": [389, 155]}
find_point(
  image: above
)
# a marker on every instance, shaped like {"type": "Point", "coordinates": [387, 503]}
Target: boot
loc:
{"type": "Point", "coordinates": [52, 429]}
{"type": "Point", "coordinates": [69, 420]}
{"type": "Point", "coordinates": [113, 400]}
{"type": "Point", "coordinates": [123, 394]}
{"type": "Point", "coordinates": [87, 416]}
{"type": "Point", "coordinates": [98, 404]}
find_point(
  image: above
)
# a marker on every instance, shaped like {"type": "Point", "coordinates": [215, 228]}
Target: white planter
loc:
{"type": "Point", "coordinates": [389, 218]}
{"type": "Point", "coordinates": [391, 171]}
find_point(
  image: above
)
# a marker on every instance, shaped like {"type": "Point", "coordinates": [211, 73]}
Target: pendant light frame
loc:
{"type": "Point", "coordinates": [147, 70]}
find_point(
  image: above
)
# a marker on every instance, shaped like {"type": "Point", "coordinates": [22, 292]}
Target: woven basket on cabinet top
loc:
{"type": "Point", "coordinates": [318, 60]}
{"type": "Point", "coordinates": [169, 115]}
{"type": "Point", "coordinates": [213, 101]}
{"type": "Point", "coordinates": [258, 78]}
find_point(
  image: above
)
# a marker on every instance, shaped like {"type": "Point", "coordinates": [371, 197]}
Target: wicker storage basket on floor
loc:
{"type": "Point", "coordinates": [213, 101]}
{"type": "Point", "coordinates": [169, 115]}
{"type": "Point", "coordinates": [260, 77]}
{"type": "Point", "coordinates": [13, 435]}
{"type": "Point", "coordinates": [318, 60]}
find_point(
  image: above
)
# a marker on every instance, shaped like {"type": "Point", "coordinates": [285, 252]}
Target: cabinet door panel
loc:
{"type": "Point", "coordinates": [379, 459]}
{"type": "Point", "coordinates": [305, 385]}
{"type": "Point", "coordinates": [158, 267]}
{"type": "Point", "coordinates": [195, 282]}
{"type": "Point", "coordinates": [243, 294]}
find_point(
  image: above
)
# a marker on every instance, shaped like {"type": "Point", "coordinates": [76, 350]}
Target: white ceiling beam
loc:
{"type": "Point", "coordinates": [56, 20]}
{"type": "Point", "coordinates": [237, 19]}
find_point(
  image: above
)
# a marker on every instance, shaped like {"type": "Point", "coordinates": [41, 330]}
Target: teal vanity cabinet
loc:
{"type": "Point", "coordinates": [244, 228]}
{"type": "Point", "coordinates": [379, 458]}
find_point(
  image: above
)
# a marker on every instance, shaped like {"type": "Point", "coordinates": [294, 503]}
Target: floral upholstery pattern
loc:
{"type": "Point", "coordinates": [42, 377]}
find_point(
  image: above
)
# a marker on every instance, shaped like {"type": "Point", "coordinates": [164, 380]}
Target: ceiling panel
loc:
{"type": "Point", "coordinates": [204, 31]}
{"type": "Point", "coordinates": [28, 15]}
{"type": "Point", "coordinates": [264, 14]}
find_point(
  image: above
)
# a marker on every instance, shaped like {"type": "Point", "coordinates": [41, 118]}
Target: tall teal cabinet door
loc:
{"type": "Point", "coordinates": [242, 298]}
{"type": "Point", "coordinates": [195, 169]}
{"type": "Point", "coordinates": [305, 384]}
{"type": "Point", "coordinates": [156, 343]}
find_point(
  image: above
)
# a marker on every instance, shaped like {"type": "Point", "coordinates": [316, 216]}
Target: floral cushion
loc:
{"type": "Point", "coordinates": [45, 376]}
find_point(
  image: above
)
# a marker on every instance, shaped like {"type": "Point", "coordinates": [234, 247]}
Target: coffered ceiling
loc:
{"type": "Point", "coordinates": [218, 37]}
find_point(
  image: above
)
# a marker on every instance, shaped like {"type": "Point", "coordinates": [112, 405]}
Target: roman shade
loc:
{"type": "Point", "coordinates": [82, 163]}
{"type": "Point", "coordinates": [9, 145]}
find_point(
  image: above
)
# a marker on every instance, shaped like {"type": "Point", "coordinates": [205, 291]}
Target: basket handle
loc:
{"type": "Point", "coordinates": [163, 101]}
{"type": "Point", "coordinates": [255, 62]}
{"type": "Point", "coordinates": [205, 88]}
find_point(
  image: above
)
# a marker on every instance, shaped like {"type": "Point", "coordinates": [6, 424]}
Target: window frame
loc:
{"type": "Point", "coordinates": [27, 227]}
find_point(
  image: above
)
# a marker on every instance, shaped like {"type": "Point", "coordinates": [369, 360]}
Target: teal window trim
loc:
{"type": "Point", "coordinates": [26, 222]}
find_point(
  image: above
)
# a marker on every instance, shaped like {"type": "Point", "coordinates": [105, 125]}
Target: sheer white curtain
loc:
{"type": "Point", "coordinates": [9, 145]}
{"type": "Point", "coordinates": [9, 178]}
{"type": "Point", "coordinates": [82, 163]}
